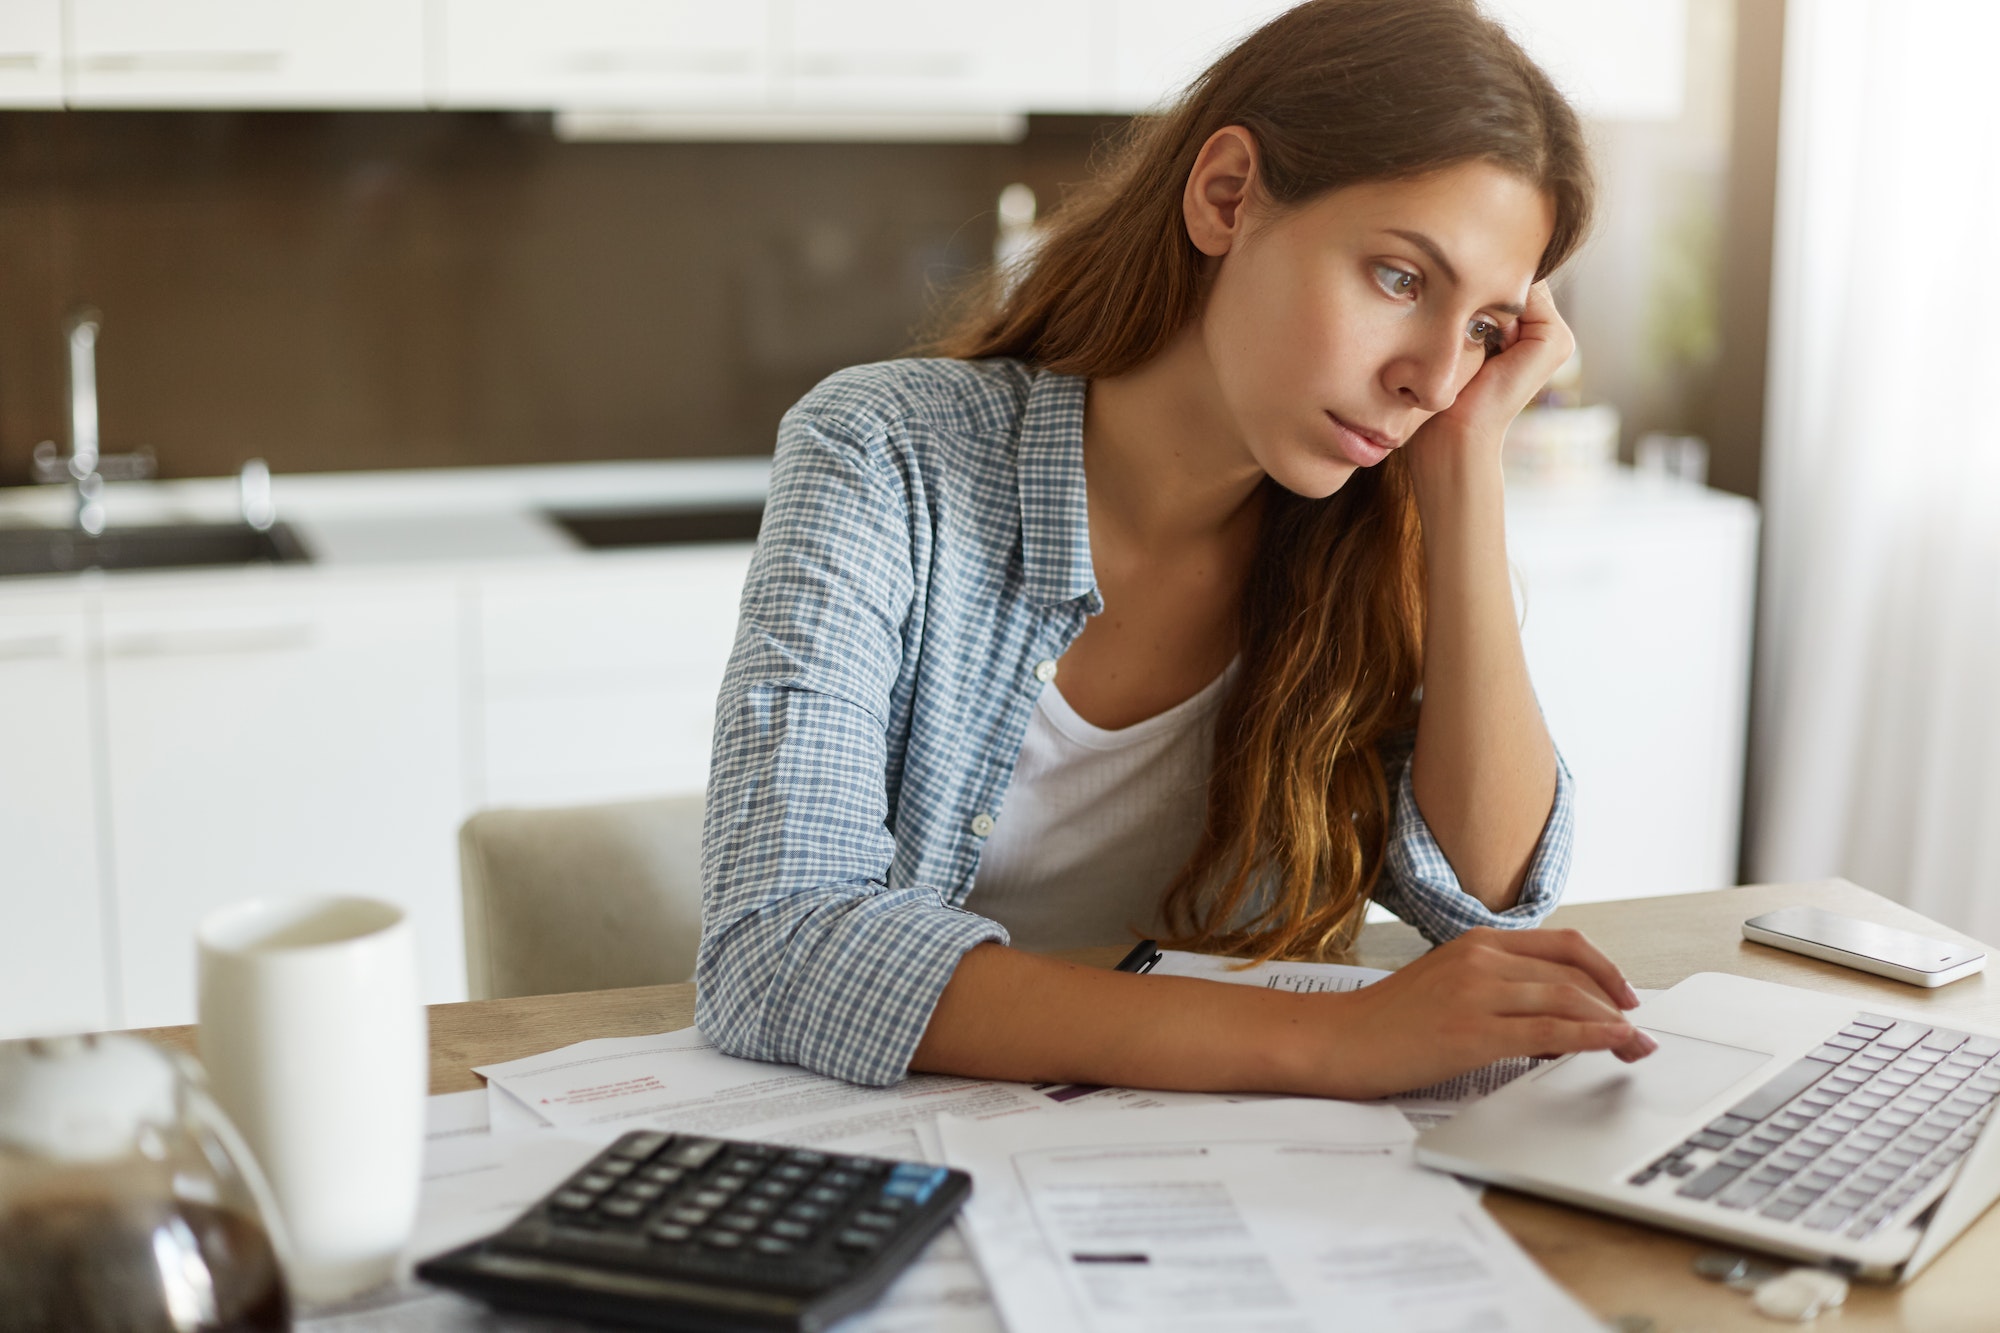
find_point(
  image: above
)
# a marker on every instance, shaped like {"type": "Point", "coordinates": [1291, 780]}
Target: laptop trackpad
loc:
{"type": "Point", "coordinates": [1681, 1075]}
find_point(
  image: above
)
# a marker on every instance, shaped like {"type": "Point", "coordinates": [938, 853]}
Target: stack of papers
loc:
{"type": "Point", "coordinates": [680, 1080]}
{"type": "Point", "coordinates": [1093, 1208]}
{"type": "Point", "coordinates": [1281, 1217]}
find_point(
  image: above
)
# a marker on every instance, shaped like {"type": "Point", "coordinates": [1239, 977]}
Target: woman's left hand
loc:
{"type": "Point", "coordinates": [1538, 345]}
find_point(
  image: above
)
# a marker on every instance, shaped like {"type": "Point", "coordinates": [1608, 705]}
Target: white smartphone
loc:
{"type": "Point", "coordinates": [1865, 946]}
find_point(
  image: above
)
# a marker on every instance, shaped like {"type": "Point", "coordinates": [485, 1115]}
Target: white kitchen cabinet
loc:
{"type": "Point", "coordinates": [245, 53]}
{"type": "Point", "coordinates": [52, 927]}
{"type": "Point", "coordinates": [602, 53]}
{"type": "Point", "coordinates": [280, 734]}
{"type": "Point", "coordinates": [920, 55]}
{"type": "Point", "coordinates": [1636, 604]}
{"type": "Point", "coordinates": [599, 682]}
{"type": "Point", "coordinates": [31, 53]}
{"type": "Point", "coordinates": [785, 57]}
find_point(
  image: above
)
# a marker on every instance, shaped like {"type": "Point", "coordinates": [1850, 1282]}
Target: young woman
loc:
{"type": "Point", "coordinates": [1173, 599]}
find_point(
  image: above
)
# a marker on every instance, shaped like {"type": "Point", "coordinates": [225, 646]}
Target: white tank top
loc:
{"type": "Point", "coordinates": [1097, 823]}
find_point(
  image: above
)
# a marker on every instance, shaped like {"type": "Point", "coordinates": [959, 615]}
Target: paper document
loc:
{"type": "Point", "coordinates": [680, 1081]}
{"type": "Point", "coordinates": [1422, 1107]}
{"type": "Point", "coordinates": [474, 1186]}
{"type": "Point", "coordinates": [1275, 1217]}
{"type": "Point", "coordinates": [473, 1183]}
{"type": "Point", "coordinates": [455, 1115]}
{"type": "Point", "coordinates": [1303, 977]}
{"type": "Point", "coordinates": [507, 1116]}
{"type": "Point", "coordinates": [1425, 1107]}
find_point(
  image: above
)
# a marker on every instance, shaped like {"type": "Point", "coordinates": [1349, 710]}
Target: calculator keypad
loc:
{"type": "Point", "coordinates": [677, 1231]}
{"type": "Point", "coordinates": [680, 1201]}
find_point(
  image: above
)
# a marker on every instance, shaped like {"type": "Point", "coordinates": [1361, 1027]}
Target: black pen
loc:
{"type": "Point", "coordinates": [1142, 958]}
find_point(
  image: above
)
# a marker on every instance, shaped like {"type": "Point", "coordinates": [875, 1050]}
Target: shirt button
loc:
{"type": "Point", "coordinates": [982, 825]}
{"type": "Point", "coordinates": [1045, 670]}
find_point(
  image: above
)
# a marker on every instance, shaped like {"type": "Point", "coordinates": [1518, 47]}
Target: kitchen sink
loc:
{"type": "Point", "coordinates": [185, 545]}
{"type": "Point", "coordinates": [608, 529]}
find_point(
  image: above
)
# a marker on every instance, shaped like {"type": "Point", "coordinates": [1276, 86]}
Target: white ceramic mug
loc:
{"type": "Point", "coordinates": [315, 1038]}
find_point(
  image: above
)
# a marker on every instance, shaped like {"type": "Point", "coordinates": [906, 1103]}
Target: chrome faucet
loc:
{"type": "Point", "coordinates": [86, 468]}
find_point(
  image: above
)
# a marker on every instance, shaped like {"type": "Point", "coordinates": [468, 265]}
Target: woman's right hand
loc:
{"type": "Point", "coordinates": [1485, 996]}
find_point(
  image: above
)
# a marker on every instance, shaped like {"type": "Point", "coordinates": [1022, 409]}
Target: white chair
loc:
{"type": "Point", "coordinates": [586, 898]}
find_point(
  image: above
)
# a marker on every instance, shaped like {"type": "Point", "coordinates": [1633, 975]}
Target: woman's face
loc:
{"type": "Point", "coordinates": [1337, 328]}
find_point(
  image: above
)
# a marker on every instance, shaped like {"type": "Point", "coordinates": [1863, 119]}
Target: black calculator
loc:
{"type": "Point", "coordinates": [689, 1232]}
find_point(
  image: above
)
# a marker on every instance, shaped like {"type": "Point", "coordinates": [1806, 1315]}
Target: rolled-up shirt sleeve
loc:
{"type": "Point", "coordinates": [1419, 885]}
{"type": "Point", "coordinates": [808, 955]}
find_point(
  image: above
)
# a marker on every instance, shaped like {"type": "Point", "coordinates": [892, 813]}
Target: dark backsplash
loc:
{"type": "Point", "coordinates": [332, 291]}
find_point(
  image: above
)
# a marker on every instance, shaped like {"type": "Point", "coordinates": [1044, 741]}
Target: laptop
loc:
{"type": "Point", "coordinates": [1771, 1117]}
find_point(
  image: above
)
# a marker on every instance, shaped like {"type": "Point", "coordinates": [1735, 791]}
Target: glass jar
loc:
{"type": "Point", "coordinates": [128, 1203]}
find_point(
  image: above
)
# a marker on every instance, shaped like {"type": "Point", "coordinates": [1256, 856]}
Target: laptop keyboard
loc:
{"type": "Point", "coordinates": [1844, 1138]}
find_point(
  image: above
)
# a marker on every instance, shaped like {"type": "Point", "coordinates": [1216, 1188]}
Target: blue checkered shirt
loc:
{"type": "Point", "coordinates": [925, 545]}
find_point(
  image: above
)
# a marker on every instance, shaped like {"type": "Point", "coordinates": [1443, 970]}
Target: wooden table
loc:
{"type": "Point", "coordinates": [1616, 1268]}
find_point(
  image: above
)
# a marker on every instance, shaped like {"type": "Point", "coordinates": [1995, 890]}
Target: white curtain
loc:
{"type": "Point", "coordinates": [1877, 746]}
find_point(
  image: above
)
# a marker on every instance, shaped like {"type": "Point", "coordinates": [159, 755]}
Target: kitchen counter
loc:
{"type": "Point", "coordinates": [447, 516]}
{"type": "Point", "coordinates": [431, 517]}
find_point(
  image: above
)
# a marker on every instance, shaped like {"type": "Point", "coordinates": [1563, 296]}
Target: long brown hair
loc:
{"type": "Point", "coordinates": [1335, 92]}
